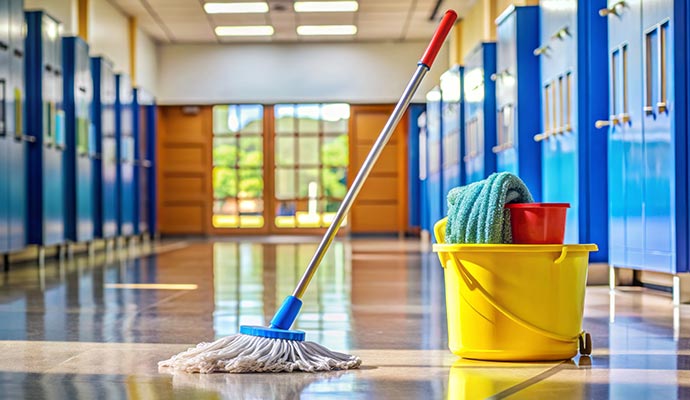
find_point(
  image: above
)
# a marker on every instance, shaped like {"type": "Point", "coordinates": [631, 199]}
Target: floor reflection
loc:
{"type": "Point", "coordinates": [75, 329]}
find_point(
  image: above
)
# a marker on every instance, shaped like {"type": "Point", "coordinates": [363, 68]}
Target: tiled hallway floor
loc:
{"type": "Point", "coordinates": [82, 330]}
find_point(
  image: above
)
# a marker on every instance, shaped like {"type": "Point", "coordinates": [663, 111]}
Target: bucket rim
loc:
{"type": "Point", "coordinates": [537, 205]}
{"type": "Point", "coordinates": [512, 248]}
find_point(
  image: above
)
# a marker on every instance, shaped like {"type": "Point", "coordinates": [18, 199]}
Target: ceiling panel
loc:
{"type": "Point", "coordinates": [183, 21]}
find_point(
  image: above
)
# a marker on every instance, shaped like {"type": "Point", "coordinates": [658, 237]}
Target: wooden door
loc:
{"type": "Point", "coordinates": [381, 206]}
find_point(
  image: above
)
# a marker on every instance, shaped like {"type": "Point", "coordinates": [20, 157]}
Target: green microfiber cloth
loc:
{"type": "Point", "coordinates": [477, 214]}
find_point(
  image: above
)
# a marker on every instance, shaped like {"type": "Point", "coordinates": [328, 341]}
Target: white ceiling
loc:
{"type": "Point", "coordinates": [184, 21]}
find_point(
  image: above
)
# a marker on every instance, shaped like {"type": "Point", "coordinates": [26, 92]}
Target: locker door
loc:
{"type": "Point", "coordinates": [111, 201]}
{"type": "Point", "coordinates": [626, 152]}
{"type": "Point", "coordinates": [552, 60]}
{"type": "Point", "coordinates": [569, 139]}
{"type": "Point", "coordinates": [84, 143]}
{"type": "Point", "coordinates": [434, 158]}
{"type": "Point", "coordinates": [4, 137]}
{"type": "Point", "coordinates": [451, 89]}
{"type": "Point", "coordinates": [659, 153]}
{"type": "Point", "coordinates": [14, 93]}
{"type": "Point", "coordinates": [506, 95]}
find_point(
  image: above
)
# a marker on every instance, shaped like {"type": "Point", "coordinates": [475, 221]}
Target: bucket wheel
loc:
{"type": "Point", "coordinates": [585, 342]}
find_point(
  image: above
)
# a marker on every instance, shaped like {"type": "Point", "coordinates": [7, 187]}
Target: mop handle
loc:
{"type": "Point", "coordinates": [422, 67]}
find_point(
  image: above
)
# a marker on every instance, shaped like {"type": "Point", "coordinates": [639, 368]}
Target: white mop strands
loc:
{"type": "Point", "coordinates": [246, 353]}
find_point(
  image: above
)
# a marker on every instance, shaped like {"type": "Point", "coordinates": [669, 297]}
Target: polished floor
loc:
{"type": "Point", "coordinates": [96, 328]}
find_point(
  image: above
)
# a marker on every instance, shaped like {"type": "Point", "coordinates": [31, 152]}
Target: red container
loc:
{"type": "Point", "coordinates": [538, 223]}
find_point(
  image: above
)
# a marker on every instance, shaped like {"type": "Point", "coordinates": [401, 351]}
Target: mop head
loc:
{"type": "Point", "coordinates": [247, 353]}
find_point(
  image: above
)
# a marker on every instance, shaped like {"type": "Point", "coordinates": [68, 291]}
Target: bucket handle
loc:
{"type": "Point", "coordinates": [440, 230]}
{"type": "Point", "coordinates": [510, 315]}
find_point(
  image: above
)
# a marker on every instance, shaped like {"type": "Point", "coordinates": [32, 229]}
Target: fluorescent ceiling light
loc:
{"type": "Point", "coordinates": [236, 8]}
{"type": "Point", "coordinates": [315, 30]}
{"type": "Point", "coordinates": [326, 6]}
{"type": "Point", "coordinates": [257, 30]}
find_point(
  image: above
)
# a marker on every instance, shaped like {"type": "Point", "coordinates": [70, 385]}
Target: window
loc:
{"type": "Point", "coordinates": [238, 160]}
{"type": "Point", "coordinates": [311, 160]}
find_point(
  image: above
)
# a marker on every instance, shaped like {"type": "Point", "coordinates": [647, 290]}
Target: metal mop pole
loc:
{"type": "Point", "coordinates": [422, 68]}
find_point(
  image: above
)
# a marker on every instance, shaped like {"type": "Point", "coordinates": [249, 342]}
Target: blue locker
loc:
{"type": "Point", "coordinates": [452, 131]}
{"type": "Point", "coordinates": [414, 186]}
{"type": "Point", "coordinates": [105, 162]}
{"type": "Point", "coordinates": [80, 140]}
{"type": "Point", "coordinates": [125, 154]}
{"type": "Point", "coordinates": [46, 127]}
{"type": "Point", "coordinates": [518, 108]}
{"type": "Point", "coordinates": [424, 215]}
{"type": "Point", "coordinates": [151, 126]}
{"type": "Point", "coordinates": [16, 127]}
{"type": "Point", "coordinates": [145, 139]}
{"type": "Point", "coordinates": [574, 96]}
{"type": "Point", "coordinates": [647, 133]}
{"type": "Point", "coordinates": [480, 107]}
{"type": "Point", "coordinates": [5, 139]}
{"type": "Point", "coordinates": [434, 178]}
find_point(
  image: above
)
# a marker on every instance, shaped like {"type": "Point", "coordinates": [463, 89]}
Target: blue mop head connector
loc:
{"type": "Point", "coordinates": [280, 324]}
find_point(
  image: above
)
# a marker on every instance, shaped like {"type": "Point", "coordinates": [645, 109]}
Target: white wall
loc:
{"type": "Point", "coordinates": [146, 63]}
{"type": "Point", "coordinates": [109, 34]}
{"type": "Point", "coordinates": [272, 73]}
{"type": "Point", "coordinates": [64, 11]}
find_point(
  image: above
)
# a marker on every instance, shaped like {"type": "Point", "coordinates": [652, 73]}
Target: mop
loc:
{"type": "Point", "coordinates": [277, 348]}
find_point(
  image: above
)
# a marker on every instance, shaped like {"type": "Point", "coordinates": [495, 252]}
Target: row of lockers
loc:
{"type": "Point", "coordinates": [587, 102]}
{"type": "Point", "coordinates": [75, 159]}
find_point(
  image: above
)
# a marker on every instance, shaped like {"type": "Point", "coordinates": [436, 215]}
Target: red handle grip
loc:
{"type": "Point", "coordinates": [439, 37]}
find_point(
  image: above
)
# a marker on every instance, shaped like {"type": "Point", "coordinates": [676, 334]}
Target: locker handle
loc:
{"type": "Point", "coordinates": [495, 149]}
{"type": "Point", "coordinates": [500, 75]}
{"type": "Point", "coordinates": [662, 107]}
{"type": "Point", "coordinates": [4, 46]}
{"type": "Point", "coordinates": [29, 139]}
{"type": "Point", "coordinates": [603, 122]}
{"type": "Point", "coordinates": [542, 136]}
{"type": "Point", "coordinates": [49, 68]}
{"type": "Point", "coordinates": [616, 9]}
{"type": "Point", "coordinates": [541, 50]}
{"type": "Point", "coordinates": [561, 33]}
{"type": "Point", "coordinates": [18, 53]}
{"type": "Point", "coordinates": [82, 89]}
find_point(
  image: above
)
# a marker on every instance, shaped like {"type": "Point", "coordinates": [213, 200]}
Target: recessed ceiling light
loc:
{"type": "Point", "coordinates": [258, 30]}
{"type": "Point", "coordinates": [314, 30]}
{"type": "Point", "coordinates": [236, 8]}
{"type": "Point", "coordinates": [326, 6]}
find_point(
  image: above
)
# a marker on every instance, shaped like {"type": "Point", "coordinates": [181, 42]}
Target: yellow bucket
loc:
{"type": "Point", "coordinates": [514, 302]}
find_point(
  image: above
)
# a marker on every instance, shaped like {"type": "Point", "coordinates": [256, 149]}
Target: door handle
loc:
{"type": "Point", "coordinates": [561, 33]}
{"type": "Point", "coordinates": [500, 75]}
{"type": "Point", "coordinates": [603, 122]}
{"type": "Point", "coordinates": [542, 136]}
{"type": "Point", "coordinates": [615, 9]}
{"type": "Point", "coordinates": [541, 50]}
{"type": "Point", "coordinates": [661, 107]}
